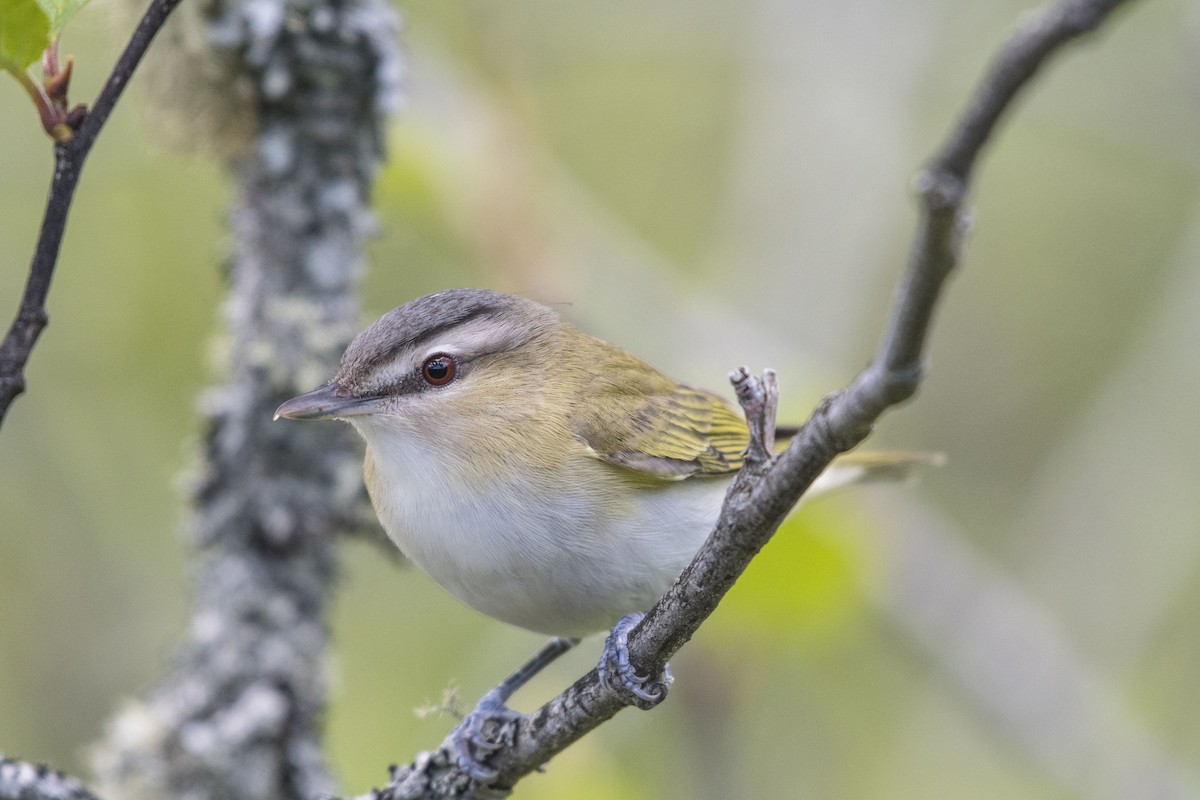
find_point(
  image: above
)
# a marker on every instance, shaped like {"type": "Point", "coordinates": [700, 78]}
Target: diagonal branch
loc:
{"type": "Point", "coordinates": [69, 156]}
{"type": "Point", "coordinates": [767, 489]}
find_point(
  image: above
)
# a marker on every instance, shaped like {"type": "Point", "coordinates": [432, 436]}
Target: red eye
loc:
{"type": "Point", "coordinates": [439, 370]}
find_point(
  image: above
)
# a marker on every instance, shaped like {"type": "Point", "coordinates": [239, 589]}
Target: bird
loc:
{"type": "Point", "coordinates": [544, 477]}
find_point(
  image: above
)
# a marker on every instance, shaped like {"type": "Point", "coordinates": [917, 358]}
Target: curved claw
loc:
{"type": "Point", "coordinates": [490, 726]}
{"type": "Point", "coordinates": [642, 691]}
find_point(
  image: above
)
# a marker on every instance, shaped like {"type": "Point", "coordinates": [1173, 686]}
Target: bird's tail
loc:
{"type": "Point", "coordinates": [871, 466]}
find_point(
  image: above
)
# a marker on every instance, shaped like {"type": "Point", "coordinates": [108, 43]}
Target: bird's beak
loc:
{"type": "Point", "coordinates": [326, 403]}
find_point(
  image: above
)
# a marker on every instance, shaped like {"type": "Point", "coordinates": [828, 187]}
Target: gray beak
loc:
{"type": "Point", "coordinates": [326, 403]}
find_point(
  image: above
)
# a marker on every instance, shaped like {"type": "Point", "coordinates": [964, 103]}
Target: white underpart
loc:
{"type": "Point", "coordinates": [548, 558]}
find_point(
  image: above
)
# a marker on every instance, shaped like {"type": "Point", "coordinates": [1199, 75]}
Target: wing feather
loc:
{"type": "Point", "coordinates": [656, 426]}
{"type": "Point", "coordinates": [663, 430]}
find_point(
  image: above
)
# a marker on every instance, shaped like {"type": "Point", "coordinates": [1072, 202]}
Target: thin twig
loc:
{"type": "Point", "coordinates": [69, 156]}
{"type": "Point", "coordinates": [765, 491]}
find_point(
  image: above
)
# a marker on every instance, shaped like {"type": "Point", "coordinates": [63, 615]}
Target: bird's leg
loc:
{"type": "Point", "coordinates": [492, 724]}
{"type": "Point", "coordinates": [615, 670]}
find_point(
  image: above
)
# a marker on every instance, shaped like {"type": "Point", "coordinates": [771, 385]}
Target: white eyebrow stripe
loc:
{"type": "Point", "coordinates": [477, 337]}
{"type": "Point", "coordinates": [474, 338]}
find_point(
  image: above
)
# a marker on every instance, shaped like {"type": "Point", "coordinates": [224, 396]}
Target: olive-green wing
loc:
{"type": "Point", "coordinates": [635, 417]}
{"type": "Point", "coordinates": [639, 419]}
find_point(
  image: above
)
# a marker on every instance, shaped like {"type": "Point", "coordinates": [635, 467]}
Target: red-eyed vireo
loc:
{"type": "Point", "coordinates": [542, 476]}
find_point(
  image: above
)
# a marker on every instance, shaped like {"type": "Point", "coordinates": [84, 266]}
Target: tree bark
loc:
{"type": "Point", "coordinates": [239, 714]}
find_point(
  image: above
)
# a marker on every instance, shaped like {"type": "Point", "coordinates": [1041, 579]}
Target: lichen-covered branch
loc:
{"type": "Point", "coordinates": [239, 714]}
{"type": "Point", "coordinates": [767, 489]}
{"type": "Point", "coordinates": [20, 780]}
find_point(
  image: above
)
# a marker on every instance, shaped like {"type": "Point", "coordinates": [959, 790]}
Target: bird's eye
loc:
{"type": "Point", "coordinates": [438, 370]}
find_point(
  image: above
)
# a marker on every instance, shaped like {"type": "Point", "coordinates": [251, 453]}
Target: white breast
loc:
{"type": "Point", "coordinates": [546, 557]}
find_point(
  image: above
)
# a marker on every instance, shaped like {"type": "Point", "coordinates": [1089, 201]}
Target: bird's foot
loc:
{"type": "Point", "coordinates": [490, 726]}
{"type": "Point", "coordinates": [642, 691]}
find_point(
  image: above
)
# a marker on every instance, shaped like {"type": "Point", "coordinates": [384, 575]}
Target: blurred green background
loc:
{"type": "Point", "coordinates": [708, 184]}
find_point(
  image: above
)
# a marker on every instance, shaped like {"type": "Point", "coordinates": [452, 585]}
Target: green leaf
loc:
{"type": "Point", "coordinates": [24, 33]}
{"type": "Point", "coordinates": [59, 12]}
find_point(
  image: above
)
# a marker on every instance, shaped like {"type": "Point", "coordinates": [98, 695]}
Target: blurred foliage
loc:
{"type": "Point", "coordinates": [708, 184]}
{"type": "Point", "coordinates": [24, 33]}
